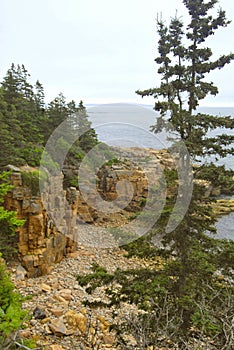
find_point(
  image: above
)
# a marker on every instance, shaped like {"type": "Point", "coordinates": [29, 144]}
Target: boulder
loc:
{"type": "Point", "coordinates": [21, 273]}
{"type": "Point", "coordinates": [39, 313]}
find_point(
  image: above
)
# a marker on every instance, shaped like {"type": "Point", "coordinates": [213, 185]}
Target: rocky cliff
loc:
{"type": "Point", "coordinates": [41, 242]}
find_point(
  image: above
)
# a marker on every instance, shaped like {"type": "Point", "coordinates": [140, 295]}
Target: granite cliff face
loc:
{"type": "Point", "coordinates": [41, 242]}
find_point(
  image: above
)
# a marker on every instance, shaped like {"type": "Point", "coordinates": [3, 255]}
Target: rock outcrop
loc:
{"type": "Point", "coordinates": [51, 216]}
{"type": "Point", "coordinates": [40, 243]}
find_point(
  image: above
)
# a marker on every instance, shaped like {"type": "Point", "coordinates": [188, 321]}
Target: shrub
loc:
{"type": "Point", "coordinates": [8, 221]}
{"type": "Point", "coordinates": [31, 180]}
{"type": "Point", "coordinates": [11, 313]}
{"type": "Point", "coordinates": [218, 176]}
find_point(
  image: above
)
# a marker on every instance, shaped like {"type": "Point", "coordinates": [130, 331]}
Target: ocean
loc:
{"type": "Point", "coordinates": [129, 125]}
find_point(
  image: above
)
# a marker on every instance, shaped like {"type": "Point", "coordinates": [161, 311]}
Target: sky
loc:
{"type": "Point", "coordinates": [100, 51]}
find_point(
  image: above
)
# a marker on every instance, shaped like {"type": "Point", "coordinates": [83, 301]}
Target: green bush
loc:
{"type": "Point", "coordinates": [8, 221]}
{"type": "Point", "coordinates": [11, 313]}
{"type": "Point", "coordinates": [31, 180]}
{"type": "Point", "coordinates": [218, 176]}
{"type": "Point", "coordinates": [113, 161]}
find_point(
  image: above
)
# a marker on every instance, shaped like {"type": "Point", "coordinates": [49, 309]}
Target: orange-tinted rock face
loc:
{"type": "Point", "coordinates": [40, 243]}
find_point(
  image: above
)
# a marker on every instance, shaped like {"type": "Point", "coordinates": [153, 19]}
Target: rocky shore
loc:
{"type": "Point", "coordinates": [55, 300]}
{"type": "Point", "coordinates": [59, 319]}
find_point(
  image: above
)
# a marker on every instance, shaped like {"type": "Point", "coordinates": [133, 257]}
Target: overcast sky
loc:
{"type": "Point", "coordinates": [99, 51]}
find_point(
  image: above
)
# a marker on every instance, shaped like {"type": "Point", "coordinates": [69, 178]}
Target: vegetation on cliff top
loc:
{"type": "Point", "coordinates": [26, 122]}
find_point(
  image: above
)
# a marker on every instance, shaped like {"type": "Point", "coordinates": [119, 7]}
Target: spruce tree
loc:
{"type": "Point", "coordinates": [57, 111]}
{"type": "Point", "coordinates": [21, 118]}
{"type": "Point", "coordinates": [88, 139]}
{"type": "Point", "coordinates": [184, 299]}
{"type": "Point", "coordinates": [39, 96]}
{"type": "Point", "coordinates": [184, 62]}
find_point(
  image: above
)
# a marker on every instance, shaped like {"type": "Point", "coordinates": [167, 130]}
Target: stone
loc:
{"type": "Point", "coordinates": [58, 327]}
{"type": "Point", "coordinates": [66, 291]}
{"type": "Point", "coordinates": [35, 207]}
{"type": "Point", "coordinates": [47, 329]}
{"type": "Point", "coordinates": [45, 320]}
{"type": "Point", "coordinates": [13, 168]}
{"type": "Point", "coordinates": [104, 324]}
{"type": "Point", "coordinates": [45, 288]}
{"type": "Point", "coordinates": [39, 313]}
{"type": "Point", "coordinates": [25, 333]}
{"type": "Point", "coordinates": [57, 312]}
{"type": "Point", "coordinates": [66, 296]}
{"type": "Point", "coordinates": [25, 204]}
{"type": "Point", "coordinates": [76, 320]}
{"type": "Point", "coordinates": [108, 339]}
{"type": "Point", "coordinates": [60, 299]}
{"type": "Point", "coordinates": [65, 273]}
{"type": "Point", "coordinates": [56, 347]}
{"type": "Point", "coordinates": [83, 311]}
{"type": "Point", "coordinates": [21, 273]}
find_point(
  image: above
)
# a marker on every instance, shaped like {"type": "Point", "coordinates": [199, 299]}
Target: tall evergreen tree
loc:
{"type": "Point", "coordinates": [180, 298]}
{"type": "Point", "coordinates": [184, 62]}
{"type": "Point", "coordinates": [10, 85]}
{"type": "Point", "coordinates": [88, 138]}
{"type": "Point", "coordinates": [6, 137]}
{"type": "Point", "coordinates": [20, 118]}
{"type": "Point", "coordinates": [57, 111]}
{"type": "Point", "coordinates": [39, 96]}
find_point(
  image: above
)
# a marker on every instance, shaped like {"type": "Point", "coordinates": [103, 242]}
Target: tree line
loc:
{"type": "Point", "coordinates": [26, 121]}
